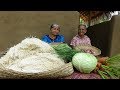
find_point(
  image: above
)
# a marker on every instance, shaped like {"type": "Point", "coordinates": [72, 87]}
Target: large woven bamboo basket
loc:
{"type": "Point", "coordinates": [62, 71]}
{"type": "Point", "coordinates": [88, 47]}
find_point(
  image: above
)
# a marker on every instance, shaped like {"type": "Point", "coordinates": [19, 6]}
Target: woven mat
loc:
{"type": "Point", "coordinates": [78, 75]}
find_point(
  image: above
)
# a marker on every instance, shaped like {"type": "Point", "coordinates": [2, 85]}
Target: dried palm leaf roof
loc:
{"type": "Point", "coordinates": [89, 15]}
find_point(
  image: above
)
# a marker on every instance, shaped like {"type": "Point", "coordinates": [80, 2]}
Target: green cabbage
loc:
{"type": "Point", "coordinates": [84, 62]}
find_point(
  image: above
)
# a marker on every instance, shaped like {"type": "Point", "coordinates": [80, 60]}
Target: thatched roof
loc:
{"type": "Point", "coordinates": [89, 15]}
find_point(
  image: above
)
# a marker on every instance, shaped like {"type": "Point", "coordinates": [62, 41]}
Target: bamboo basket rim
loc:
{"type": "Point", "coordinates": [84, 47]}
{"type": "Point", "coordinates": [62, 71]}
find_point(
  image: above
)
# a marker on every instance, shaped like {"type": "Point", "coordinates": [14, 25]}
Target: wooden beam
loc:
{"type": "Point", "coordinates": [89, 18]}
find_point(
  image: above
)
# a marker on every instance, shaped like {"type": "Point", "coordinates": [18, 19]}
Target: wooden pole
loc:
{"type": "Point", "coordinates": [89, 18]}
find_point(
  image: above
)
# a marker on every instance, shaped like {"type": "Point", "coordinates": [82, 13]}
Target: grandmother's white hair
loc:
{"type": "Point", "coordinates": [54, 25]}
{"type": "Point", "coordinates": [82, 25]}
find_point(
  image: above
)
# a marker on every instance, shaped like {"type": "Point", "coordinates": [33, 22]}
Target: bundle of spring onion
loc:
{"type": "Point", "coordinates": [65, 51]}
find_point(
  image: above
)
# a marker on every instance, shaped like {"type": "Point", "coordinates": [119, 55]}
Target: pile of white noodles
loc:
{"type": "Point", "coordinates": [32, 56]}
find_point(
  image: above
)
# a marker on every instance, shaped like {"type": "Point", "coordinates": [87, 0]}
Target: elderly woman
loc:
{"type": "Point", "coordinates": [54, 36]}
{"type": "Point", "coordinates": [81, 38]}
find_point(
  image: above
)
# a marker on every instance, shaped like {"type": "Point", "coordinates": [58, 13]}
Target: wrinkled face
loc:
{"type": "Point", "coordinates": [55, 30]}
{"type": "Point", "coordinates": [82, 30]}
